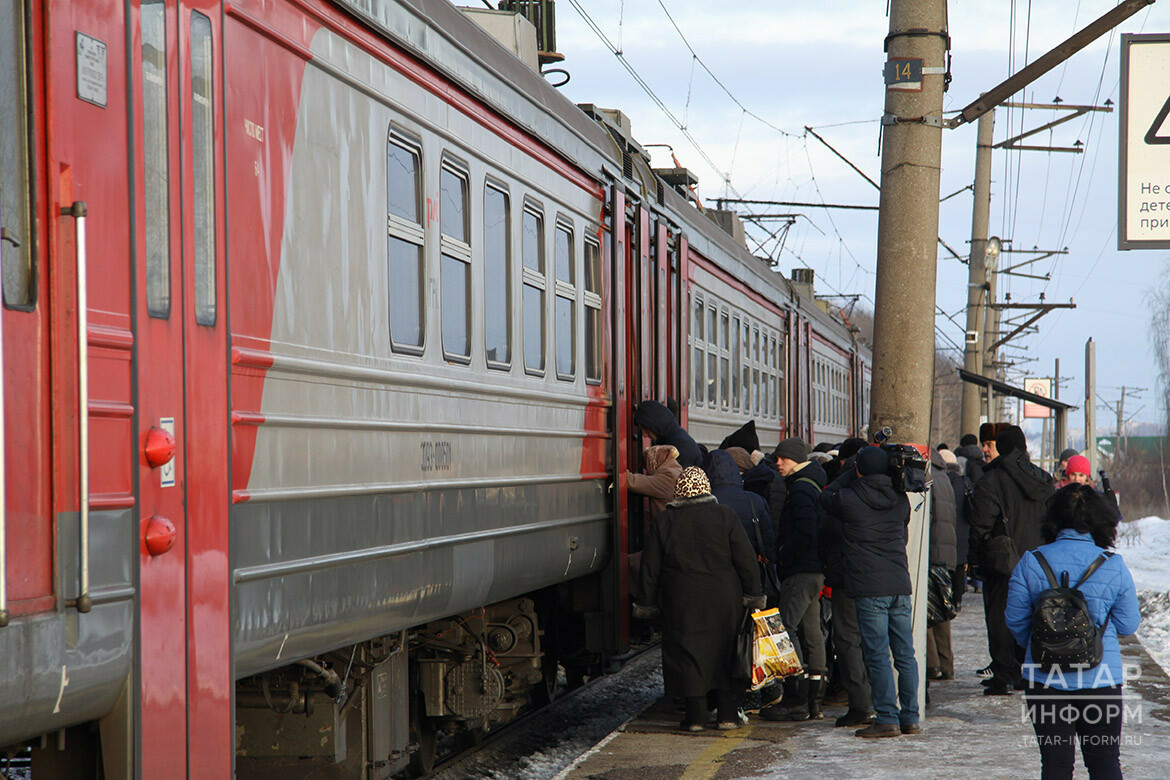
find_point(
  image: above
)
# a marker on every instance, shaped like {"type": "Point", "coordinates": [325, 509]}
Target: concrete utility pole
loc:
{"type": "Point", "coordinates": [977, 281]}
{"type": "Point", "coordinates": [1091, 404]}
{"type": "Point", "coordinates": [907, 258]}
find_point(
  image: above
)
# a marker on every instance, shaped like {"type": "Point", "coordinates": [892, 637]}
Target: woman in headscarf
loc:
{"type": "Point", "coordinates": [662, 472]}
{"type": "Point", "coordinates": [699, 572]}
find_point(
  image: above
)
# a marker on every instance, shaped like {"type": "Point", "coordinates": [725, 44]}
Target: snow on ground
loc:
{"type": "Point", "coordinates": [1145, 545]}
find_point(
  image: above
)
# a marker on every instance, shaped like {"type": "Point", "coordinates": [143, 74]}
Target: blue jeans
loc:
{"type": "Point", "coordinates": [884, 622]}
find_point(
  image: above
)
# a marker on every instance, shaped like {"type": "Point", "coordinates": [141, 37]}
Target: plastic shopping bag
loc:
{"type": "Point", "coordinates": [773, 656]}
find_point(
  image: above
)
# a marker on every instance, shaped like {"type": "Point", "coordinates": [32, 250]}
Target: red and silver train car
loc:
{"type": "Point", "coordinates": [323, 326]}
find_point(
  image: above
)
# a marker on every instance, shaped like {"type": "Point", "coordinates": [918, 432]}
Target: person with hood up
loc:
{"type": "Point", "coordinates": [662, 427]}
{"type": "Point", "coordinates": [970, 457]}
{"type": "Point", "coordinates": [662, 472]}
{"type": "Point", "coordinates": [801, 582]}
{"type": "Point", "coordinates": [745, 437]}
{"type": "Point", "coordinates": [1009, 505]}
{"type": "Point", "coordinates": [963, 491]}
{"type": "Point", "coordinates": [1079, 706]}
{"type": "Point", "coordinates": [874, 520]}
{"type": "Point", "coordinates": [943, 551]}
{"type": "Point", "coordinates": [699, 574]}
{"type": "Point", "coordinates": [751, 509]}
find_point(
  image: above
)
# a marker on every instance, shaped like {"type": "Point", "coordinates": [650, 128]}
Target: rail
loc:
{"type": "Point", "coordinates": [83, 602]}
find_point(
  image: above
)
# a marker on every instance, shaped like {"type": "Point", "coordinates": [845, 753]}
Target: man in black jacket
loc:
{"type": "Point", "coordinates": [1009, 504]}
{"type": "Point", "coordinates": [801, 581]}
{"type": "Point", "coordinates": [873, 518]}
{"type": "Point", "coordinates": [657, 422]}
{"type": "Point", "coordinates": [940, 661]}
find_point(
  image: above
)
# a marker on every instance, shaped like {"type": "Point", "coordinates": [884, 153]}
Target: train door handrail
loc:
{"type": "Point", "coordinates": [78, 211]}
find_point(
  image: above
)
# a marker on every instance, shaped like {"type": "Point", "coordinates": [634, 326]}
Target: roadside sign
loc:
{"type": "Point", "coordinates": [1042, 388]}
{"type": "Point", "coordinates": [1144, 166]}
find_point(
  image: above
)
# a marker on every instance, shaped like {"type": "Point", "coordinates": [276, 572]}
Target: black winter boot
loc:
{"type": "Point", "coordinates": [816, 692]}
{"type": "Point", "coordinates": [794, 705]}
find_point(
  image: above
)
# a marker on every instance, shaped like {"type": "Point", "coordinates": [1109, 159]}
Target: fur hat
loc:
{"type": "Point", "coordinates": [792, 448]}
{"type": "Point", "coordinates": [1011, 439]}
{"type": "Point", "coordinates": [872, 460]}
{"type": "Point", "coordinates": [987, 432]}
{"type": "Point", "coordinates": [743, 461]}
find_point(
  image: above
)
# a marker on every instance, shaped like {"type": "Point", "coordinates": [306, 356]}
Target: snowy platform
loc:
{"type": "Point", "coordinates": [965, 734]}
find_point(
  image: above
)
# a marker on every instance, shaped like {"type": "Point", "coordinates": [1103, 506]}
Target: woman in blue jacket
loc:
{"type": "Point", "coordinates": [1083, 706]}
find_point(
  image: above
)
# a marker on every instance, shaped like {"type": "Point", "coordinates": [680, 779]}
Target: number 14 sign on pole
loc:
{"type": "Point", "coordinates": [1144, 165]}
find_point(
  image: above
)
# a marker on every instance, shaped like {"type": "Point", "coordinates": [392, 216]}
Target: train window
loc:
{"type": "Point", "coordinates": [735, 364]}
{"type": "Point", "coordinates": [723, 330]}
{"type": "Point", "coordinates": [697, 367]}
{"type": "Point", "coordinates": [566, 328]}
{"type": "Point", "coordinates": [453, 203]}
{"type": "Point", "coordinates": [156, 172]}
{"type": "Point", "coordinates": [203, 168]}
{"type": "Point", "coordinates": [711, 368]}
{"type": "Point", "coordinates": [724, 380]}
{"type": "Point", "coordinates": [16, 250]}
{"type": "Point", "coordinates": [697, 335]}
{"type": "Point", "coordinates": [497, 278]}
{"type": "Point", "coordinates": [593, 335]}
{"type": "Point", "coordinates": [566, 301]}
{"type": "Point", "coordinates": [711, 328]}
{"type": "Point", "coordinates": [454, 265]}
{"type": "Point", "coordinates": [532, 228]}
{"type": "Point", "coordinates": [404, 248]}
{"type": "Point", "coordinates": [564, 254]}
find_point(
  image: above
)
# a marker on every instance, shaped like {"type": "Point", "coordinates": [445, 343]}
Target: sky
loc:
{"type": "Point", "coordinates": [790, 65]}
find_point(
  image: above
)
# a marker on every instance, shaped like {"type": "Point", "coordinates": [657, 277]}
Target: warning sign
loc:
{"type": "Point", "coordinates": [1144, 194]}
{"type": "Point", "coordinates": [1042, 388]}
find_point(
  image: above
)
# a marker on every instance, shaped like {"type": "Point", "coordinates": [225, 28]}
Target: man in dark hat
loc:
{"type": "Point", "coordinates": [873, 518]}
{"type": "Point", "coordinates": [801, 581]}
{"type": "Point", "coordinates": [1009, 504]}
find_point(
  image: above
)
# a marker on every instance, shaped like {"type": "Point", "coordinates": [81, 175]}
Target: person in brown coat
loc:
{"type": "Point", "coordinates": [662, 472]}
{"type": "Point", "coordinates": [699, 573]}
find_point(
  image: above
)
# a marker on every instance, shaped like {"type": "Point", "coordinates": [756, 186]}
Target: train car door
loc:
{"type": "Point", "coordinates": [184, 645]}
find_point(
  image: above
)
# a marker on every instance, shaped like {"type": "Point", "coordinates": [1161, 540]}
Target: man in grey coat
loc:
{"type": "Point", "coordinates": [940, 661]}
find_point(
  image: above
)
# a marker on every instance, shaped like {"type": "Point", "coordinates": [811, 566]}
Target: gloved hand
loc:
{"type": "Point", "coordinates": [755, 603]}
{"type": "Point", "coordinates": [642, 612]}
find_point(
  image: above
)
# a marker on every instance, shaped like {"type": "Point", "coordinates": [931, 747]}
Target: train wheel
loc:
{"type": "Point", "coordinates": [424, 734]}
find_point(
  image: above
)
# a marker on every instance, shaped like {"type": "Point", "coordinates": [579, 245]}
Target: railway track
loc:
{"type": "Point", "coordinates": [575, 719]}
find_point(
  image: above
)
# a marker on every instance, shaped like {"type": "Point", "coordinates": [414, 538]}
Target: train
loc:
{"type": "Point", "coordinates": [324, 325]}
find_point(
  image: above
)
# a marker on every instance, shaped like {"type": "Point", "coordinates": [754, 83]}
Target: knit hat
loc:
{"type": "Point", "coordinates": [872, 460]}
{"type": "Point", "coordinates": [850, 448]}
{"type": "Point", "coordinates": [745, 437]}
{"type": "Point", "coordinates": [691, 483]}
{"type": "Point", "coordinates": [1078, 464]}
{"type": "Point", "coordinates": [1066, 454]}
{"type": "Point", "coordinates": [743, 461]}
{"type": "Point", "coordinates": [947, 456]}
{"type": "Point", "coordinates": [1011, 439]}
{"type": "Point", "coordinates": [823, 447]}
{"type": "Point", "coordinates": [792, 448]}
{"type": "Point", "coordinates": [968, 439]}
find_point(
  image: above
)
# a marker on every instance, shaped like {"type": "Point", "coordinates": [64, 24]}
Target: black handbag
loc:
{"type": "Point", "coordinates": [999, 555]}
{"type": "Point", "coordinates": [768, 578]}
{"type": "Point", "coordinates": [940, 598]}
{"type": "Point", "coordinates": [741, 649]}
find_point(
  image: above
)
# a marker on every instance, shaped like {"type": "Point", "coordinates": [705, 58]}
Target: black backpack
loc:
{"type": "Point", "coordinates": [1064, 635]}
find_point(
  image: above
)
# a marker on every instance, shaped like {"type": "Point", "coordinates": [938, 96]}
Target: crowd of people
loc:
{"type": "Point", "coordinates": [821, 534]}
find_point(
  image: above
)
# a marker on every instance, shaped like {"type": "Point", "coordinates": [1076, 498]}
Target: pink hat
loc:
{"type": "Point", "coordinates": [1078, 464]}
